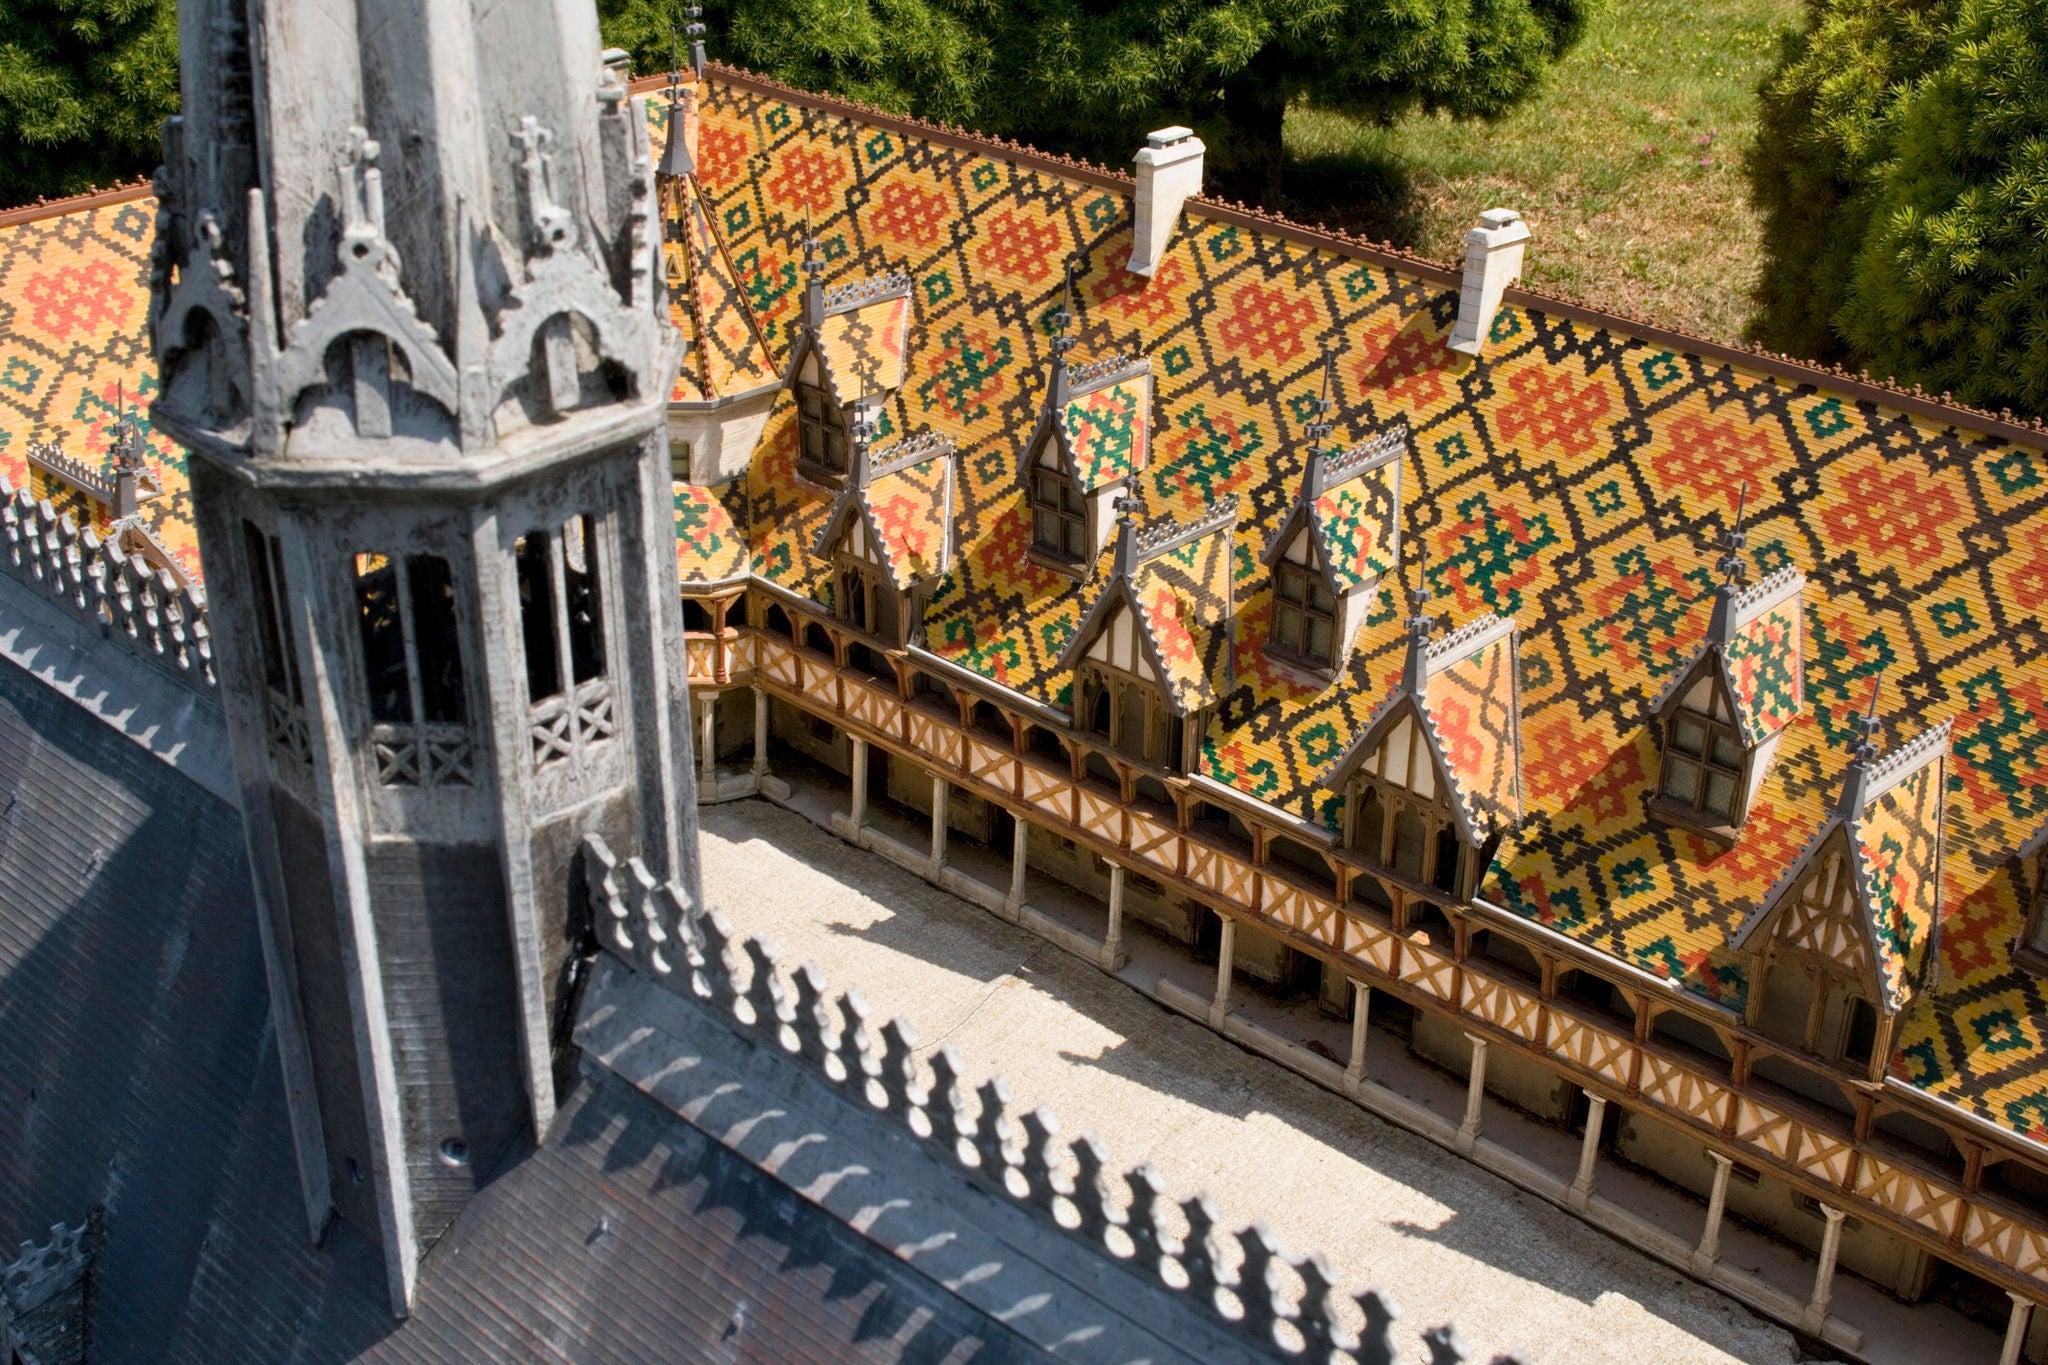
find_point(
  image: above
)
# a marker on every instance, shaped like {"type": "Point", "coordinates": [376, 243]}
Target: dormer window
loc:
{"type": "Point", "coordinates": [821, 425]}
{"type": "Point", "coordinates": [1059, 515]}
{"type": "Point", "coordinates": [889, 535]}
{"type": "Point", "coordinates": [1151, 657]}
{"type": "Point", "coordinates": [1304, 615]}
{"type": "Point", "coordinates": [1340, 540]}
{"type": "Point", "coordinates": [1093, 434]}
{"type": "Point", "coordinates": [850, 353]}
{"type": "Point", "coordinates": [1706, 767]}
{"type": "Point", "coordinates": [2033, 944]}
{"type": "Point", "coordinates": [1721, 716]}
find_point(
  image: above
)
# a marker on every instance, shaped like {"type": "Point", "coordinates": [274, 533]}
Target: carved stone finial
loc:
{"type": "Point", "coordinates": [362, 199]}
{"type": "Point", "coordinates": [554, 228]}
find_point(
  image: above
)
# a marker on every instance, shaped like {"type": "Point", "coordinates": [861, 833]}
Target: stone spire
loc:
{"type": "Point", "coordinates": [409, 310]}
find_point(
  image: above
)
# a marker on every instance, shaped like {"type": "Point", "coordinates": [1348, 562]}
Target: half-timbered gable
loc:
{"type": "Point", "coordinates": [1842, 941]}
{"type": "Point", "coordinates": [1435, 778]}
{"type": "Point", "coordinates": [1151, 658]}
{"type": "Point", "coordinates": [1340, 540]}
{"type": "Point", "coordinates": [1093, 432]}
{"type": "Point", "coordinates": [889, 536]}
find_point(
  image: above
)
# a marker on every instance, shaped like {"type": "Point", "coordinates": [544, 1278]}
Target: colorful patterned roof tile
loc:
{"type": "Point", "coordinates": [1106, 430]}
{"type": "Point", "coordinates": [864, 346]}
{"type": "Point", "coordinates": [710, 547]}
{"type": "Point", "coordinates": [1557, 479]}
{"type": "Point", "coordinates": [904, 498]}
{"type": "Point", "coordinates": [724, 352]}
{"type": "Point", "coordinates": [1755, 641]}
{"type": "Point", "coordinates": [1470, 694]}
{"type": "Point", "coordinates": [1350, 502]}
{"type": "Point", "coordinates": [1175, 579]}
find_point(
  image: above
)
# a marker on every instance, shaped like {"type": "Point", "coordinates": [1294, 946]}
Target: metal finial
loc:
{"type": "Point", "coordinates": [695, 32]}
{"type": "Point", "coordinates": [1319, 428]}
{"type": "Point", "coordinates": [1864, 748]}
{"type": "Point", "coordinates": [1063, 317]}
{"type": "Point", "coordinates": [814, 264]}
{"type": "Point", "coordinates": [1419, 621]}
{"type": "Point", "coordinates": [1731, 564]}
{"type": "Point", "coordinates": [1127, 504]}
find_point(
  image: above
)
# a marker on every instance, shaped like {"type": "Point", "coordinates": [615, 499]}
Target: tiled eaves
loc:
{"type": "Point", "coordinates": [1861, 387]}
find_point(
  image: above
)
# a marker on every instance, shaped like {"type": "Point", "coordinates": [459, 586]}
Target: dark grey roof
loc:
{"type": "Point", "coordinates": [631, 1236]}
{"type": "Point", "coordinates": [137, 1072]}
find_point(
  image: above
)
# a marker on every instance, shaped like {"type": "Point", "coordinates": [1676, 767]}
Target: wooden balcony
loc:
{"type": "Point", "coordinates": [1814, 1151]}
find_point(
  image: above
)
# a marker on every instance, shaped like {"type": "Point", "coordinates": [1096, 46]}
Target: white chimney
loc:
{"type": "Point", "coordinates": [1169, 171]}
{"type": "Point", "coordinates": [1493, 261]}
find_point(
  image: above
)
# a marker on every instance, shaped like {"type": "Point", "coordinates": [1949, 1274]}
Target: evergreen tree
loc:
{"type": "Point", "coordinates": [1092, 77]}
{"type": "Point", "coordinates": [1902, 169]}
{"type": "Point", "coordinates": [85, 86]}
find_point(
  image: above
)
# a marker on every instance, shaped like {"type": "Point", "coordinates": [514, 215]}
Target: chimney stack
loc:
{"type": "Point", "coordinates": [1169, 172]}
{"type": "Point", "coordinates": [1493, 261]}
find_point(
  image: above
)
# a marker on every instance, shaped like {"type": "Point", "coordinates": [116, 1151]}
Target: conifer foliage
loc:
{"type": "Point", "coordinates": [1902, 168]}
{"type": "Point", "coordinates": [85, 86]}
{"type": "Point", "coordinates": [1092, 77]}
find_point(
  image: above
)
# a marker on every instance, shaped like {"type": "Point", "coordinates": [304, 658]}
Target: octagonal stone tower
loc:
{"type": "Point", "coordinates": [407, 305]}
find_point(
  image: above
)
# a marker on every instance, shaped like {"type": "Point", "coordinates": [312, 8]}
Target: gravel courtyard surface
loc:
{"type": "Point", "coordinates": [1451, 1242]}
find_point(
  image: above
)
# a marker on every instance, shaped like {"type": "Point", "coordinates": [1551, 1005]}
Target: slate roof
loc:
{"type": "Point", "coordinates": [1569, 478]}
{"type": "Point", "coordinates": [141, 1076]}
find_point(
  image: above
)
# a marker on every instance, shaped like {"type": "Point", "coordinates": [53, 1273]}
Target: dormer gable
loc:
{"type": "Point", "coordinates": [889, 533]}
{"type": "Point", "coordinates": [1856, 911]}
{"type": "Point", "coordinates": [108, 502]}
{"type": "Point", "coordinates": [1093, 432]}
{"type": "Point", "coordinates": [1164, 621]}
{"type": "Point", "coordinates": [1435, 778]}
{"type": "Point", "coordinates": [1339, 541]}
{"type": "Point", "coordinates": [850, 352]}
{"type": "Point", "coordinates": [1720, 717]}
{"type": "Point", "coordinates": [726, 382]}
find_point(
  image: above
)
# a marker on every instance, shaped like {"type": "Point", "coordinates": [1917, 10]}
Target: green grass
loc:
{"type": "Point", "coordinates": [1627, 164]}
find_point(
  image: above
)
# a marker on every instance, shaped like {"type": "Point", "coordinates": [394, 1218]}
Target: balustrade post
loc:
{"type": "Point", "coordinates": [1361, 1014]}
{"type": "Point", "coordinates": [1581, 1191]}
{"type": "Point", "coordinates": [1020, 834]}
{"type": "Point", "coordinates": [858, 814]}
{"type": "Point", "coordinates": [760, 733]}
{"type": "Point", "coordinates": [1475, 1096]}
{"type": "Point", "coordinates": [1709, 1250]}
{"type": "Point", "coordinates": [1112, 958]}
{"type": "Point", "coordinates": [1226, 952]}
{"type": "Point", "coordinates": [2016, 1328]}
{"type": "Point", "coordinates": [942, 796]}
{"type": "Point", "coordinates": [1816, 1315]}
{"type": "Point", "coordinates": [707, 754]}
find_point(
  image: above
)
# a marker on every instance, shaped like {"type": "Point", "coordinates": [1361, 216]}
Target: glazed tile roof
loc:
{"type": "Point", "coordinates": [74, 308]}
{"type": "Point", "coordinates": [1468, 693]}
{"type": "Point", "coordinates": [1569, 479]}
{"type": "Point", "coordinates": [906, 506]}
{"type": "Point", "coordinates": [1176, 581]}
{"type": "Point", "coordinates": [709, 545]}
{"type": "Point", "coordinates": [1355, 515]}
{"type": "Point", "coordinates": [1104, 430]}
{"type": "Point", "coordinates": [723, 353]}
{"type": "Point", "coordinates": [863, 343]}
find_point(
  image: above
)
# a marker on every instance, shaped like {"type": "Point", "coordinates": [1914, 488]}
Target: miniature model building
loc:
{"type": "Point", "coordinates": [1651, 724]}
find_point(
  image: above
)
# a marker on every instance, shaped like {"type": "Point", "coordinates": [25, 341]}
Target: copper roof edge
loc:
{"type": "Point", "coordinates": [91, 199]}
